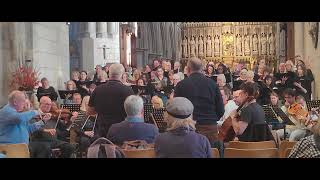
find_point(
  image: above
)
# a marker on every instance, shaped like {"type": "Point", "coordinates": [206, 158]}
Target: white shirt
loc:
{"type": "Point", "coordinates": [228, 108]}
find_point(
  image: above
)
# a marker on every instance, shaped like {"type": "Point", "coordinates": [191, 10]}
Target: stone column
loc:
{"type": "Point", "coordinates": [299, 39]}
{"type": "Point", "coordinates": [111, 27]}
{"type": "Point", "coordinates": [101, 29]}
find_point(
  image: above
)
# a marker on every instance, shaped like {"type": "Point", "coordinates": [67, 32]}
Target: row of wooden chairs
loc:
{"type": "Point", "coordinates": [265, 149]}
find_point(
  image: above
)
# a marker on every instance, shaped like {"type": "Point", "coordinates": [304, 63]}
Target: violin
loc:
{"type": "Point", "coordinates": [298, 112]}
{"type": "Point", "coordinates": [60, 114]}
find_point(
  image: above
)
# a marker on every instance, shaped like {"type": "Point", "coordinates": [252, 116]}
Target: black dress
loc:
{"type": "Point", "coordinates": [305, 83]}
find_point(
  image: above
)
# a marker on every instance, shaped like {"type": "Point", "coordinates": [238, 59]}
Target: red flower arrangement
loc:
{"type": "Point", "coordinates": [25, 78]}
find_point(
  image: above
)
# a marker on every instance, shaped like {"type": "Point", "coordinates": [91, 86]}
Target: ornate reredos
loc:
{"type": "Point", "coordinates": [230, 42]}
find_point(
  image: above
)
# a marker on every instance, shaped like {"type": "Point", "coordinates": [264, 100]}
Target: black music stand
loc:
{"type": "Point", "coordinates": [285, 119]}
{"type": "Point", "coordinates": [271, 116]}
{"type": "Point", "coordinates": [147, 110]}
{"type": "Point", "coordinates": [136, 89]}
{"type": "Point", "coordinates": [71, 107]}
{"type": "Point", "coordinates": [63, 93]}
{"type": "Point", "coordinates": [158, 118]}
{"type": "Point", "coordinates": [313, 104]}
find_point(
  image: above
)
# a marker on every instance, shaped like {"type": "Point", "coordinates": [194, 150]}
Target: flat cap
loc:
{"type": "Point", "coordinates": [179, 107]}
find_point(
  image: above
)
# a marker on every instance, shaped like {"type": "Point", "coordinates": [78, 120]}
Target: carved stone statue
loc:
{"type": "Point", "coordinates": [216, 45]}
{"type": "Point", "coordinates": [255, 44]}
{"type": "Point", "coordinates": [246, 45]}
{"type": "Point", "coordinates": [238, 45]}
{"type": "Point", "coordinates": [200, 43]}
{"type": "Point", "coordinates": [192, 48]}
{"type": "Point", "coordinates": [271, 44]}
{"type": "Point", "coordinates": [185, 47]}
{"type": "Point", "coordinates": [263, 44]}
{"type": "Point", "coordinates": [209, 47]}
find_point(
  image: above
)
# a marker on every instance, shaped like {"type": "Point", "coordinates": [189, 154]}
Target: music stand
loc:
{"type": "Point", "coordinates": [158, 118]}
{"type": "Point", "coordinates": [147, 110]}
{"type": "Point", "coordinates": [64, 93]}
{"type": "Point", "coordinates": [271, 116]}
{"type": "Point", "coordinates": [313, 104]}
{"type": "Point", "coordinates": [136, 89]}
{"type": "Point", "coordinates": [72, 107]}
{"type": "Point", "coordinates": [285, 119]}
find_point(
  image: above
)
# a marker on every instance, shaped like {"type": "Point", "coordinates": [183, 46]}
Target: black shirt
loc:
{"type": "Point", "coordinates": [257, 129]}
{"type": "Point", "coordinates": [305, 83]}
{"type": "Point", "coordinates": [108, 101]}
{"type": "Point", "coordinates": [205, 96]}
{"type": "Point", "coordinates": [47, 92]}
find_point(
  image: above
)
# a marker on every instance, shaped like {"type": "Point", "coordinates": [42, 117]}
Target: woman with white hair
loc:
{"type": "Point", "coordinates": [181, 140]}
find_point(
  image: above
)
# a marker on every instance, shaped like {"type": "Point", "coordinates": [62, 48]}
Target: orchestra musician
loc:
{"type": "Point", "coordinates": [48, 135]}
{"type": "Point", "coordinates": [249, 123]}
{"type": "Point", "coordinates": [15, 119]}
{"type": "Point", "coordinates": [299, 129]}
{"type": "Point", "coordinates": [46, 90]}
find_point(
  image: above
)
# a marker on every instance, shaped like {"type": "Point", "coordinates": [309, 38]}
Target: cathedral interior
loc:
{"type": "Point", "coordinates": [58, 48]}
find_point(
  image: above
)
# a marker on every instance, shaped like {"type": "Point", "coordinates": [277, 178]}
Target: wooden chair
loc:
{"type": "Point", "coordinates": [251, 153]}
{"type": "Point", "coordinates": [215, 153]}
{"type": "Point", "coordinates": [287, 152]}
{"type": "Point", "coordinates": [15, 150]}
{"type": "Point", "coordinates": [251, 145]}
{"type": "Point", "coordinates": [284, 145]}
{"type": "Point", "coordinates": [140, 153]}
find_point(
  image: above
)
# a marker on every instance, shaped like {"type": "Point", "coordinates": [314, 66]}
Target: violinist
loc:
{"type": "Point", "coordinates": [48, 134]}
{"type": "Point", "coordinates": [15, 119]}
{"type": "Point", "coordinates": [299, 119]}
{"type": "Point", "coordinates": [249, 121]}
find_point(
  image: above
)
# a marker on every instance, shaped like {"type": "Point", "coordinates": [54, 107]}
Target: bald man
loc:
{"type": "Point", "coordinates": [14, 120]}
{"type": "Point", "coordinates": [205, 95]}
{"type": "Point", "coordinates": [46, 137]}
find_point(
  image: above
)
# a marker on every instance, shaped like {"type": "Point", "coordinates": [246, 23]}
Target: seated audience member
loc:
{"type": "Point", "coordinates": [176, 69]}
{"type": "Point", "coordinates": [157, 102]}
{"type": "Point", "coordinates": [181, 140]}
{"type": "Point", "coordinates": [47, 136]}
{"type": "Point", "coordinates": [308, 147]}
{"type": "Point", "coordinates": [134, 127]}
{"type": "Point", "coordinates": [46, 90]}
{"type": "Point", "coordinates": [125, 79]}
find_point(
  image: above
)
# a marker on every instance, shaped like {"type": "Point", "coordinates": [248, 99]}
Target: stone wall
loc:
{"type": "Point", "coordinates": [51, 51]}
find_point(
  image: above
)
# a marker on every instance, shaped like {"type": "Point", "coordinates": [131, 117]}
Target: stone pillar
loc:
{"type": "Point", "coordinates": [299, 39]}
{"type": "Point", "coordinates": [101, 29]}
{"type": "Point", "coordinates": [111, 27]}
{"type": "Point", "coordinates": [88, 29]}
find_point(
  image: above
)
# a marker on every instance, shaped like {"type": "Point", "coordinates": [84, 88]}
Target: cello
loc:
{"type": "Point", "coordinates": [226, 132]}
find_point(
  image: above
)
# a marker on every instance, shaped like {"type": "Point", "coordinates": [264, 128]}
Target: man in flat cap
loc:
{"type": "Point", "coordinates": [181, 140]}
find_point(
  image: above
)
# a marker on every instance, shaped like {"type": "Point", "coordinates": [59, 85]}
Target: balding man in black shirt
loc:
{"type": "Point", "coordinates": [108, 101]}
{"type": "Point", "coordinates": [206, 98]}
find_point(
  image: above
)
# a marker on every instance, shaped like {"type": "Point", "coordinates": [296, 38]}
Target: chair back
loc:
{"type": "Point", "coordinates": [284, 145]}
{"type": "Point", "coordinates": [215, 153]}
{"type": "Point", "coordinates": [288, 151]}
{"type": "Point", "coordinates": [140, 153]}
{"type": "Point", "coordinates": [251, 153]}
{"type": "Point", "coordinates": [15, 150]}
{"type": "Point", "coordinates": [252, 145]}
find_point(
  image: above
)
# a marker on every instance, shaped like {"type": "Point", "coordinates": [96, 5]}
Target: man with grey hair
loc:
{"type": "Point", "coordinates": [133, 128]}
{"type": "Point", "coordinates": [206, 98]}
{"type": "Point", "coordinates": [14, 120]}
{"type": "Point", "coordinates": [107, 101]}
